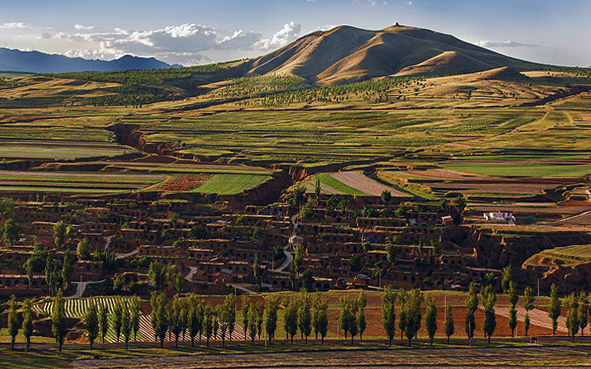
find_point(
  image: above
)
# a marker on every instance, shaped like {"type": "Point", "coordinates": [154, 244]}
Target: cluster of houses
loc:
{"type": "Point", "coordinates": [365, 243]}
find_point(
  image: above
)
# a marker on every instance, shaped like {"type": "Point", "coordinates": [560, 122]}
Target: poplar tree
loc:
{"type": "Point", "coordinates": [583, 312]}
{"type": "Point", "coordinates": [360, 318]}
{"type": "Point", "coordinates": [116, 318]}
{"type": "Point", "coordinates": [13, 322]}
{"type": "Point", "coordinates": [271, 307]}
{"type": "Point", "coordinates": [91, 321]}
{"type": "Point", "coordinates": [305, 315]}
{"type": "Point", "coordinates": [27, 322]}
{"type": "Point", "coordinates": [449, 323]}
{"type": "Point", "coordinates": [59, 326]}
{"type": "Point", "coordinates": [207, 322]}
{"type": "Point", "coordinates": [389, 313]}
{"type": "Point", "coordinates": [528, 304]}
{"type": "Point", "coordinates": [103, 320]}
{"type": "Point", "coordinates": [554, 308]}
{"type": "Point", "coordinates": [290, 319]}
{"type": "Point", "coordinates": [489, 298]}
{"type": "Point", "coordinates": [322, 317]}
{"type": "Point", "coordinates": [572, 315]}
{"type": "Point", "coordinates": [245, 308]}
{"type": "Point", "coordinates": [472, 305]}
{"type": "Point", "coordinates": [431, 319]}
{"type": "Point", "coordinates": [126, 326]}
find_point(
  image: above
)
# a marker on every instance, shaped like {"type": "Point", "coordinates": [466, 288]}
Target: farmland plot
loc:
{"type": "Point", "coordinates": [73, 182]}
{"type": "Point", "coordinates": [364, 184]}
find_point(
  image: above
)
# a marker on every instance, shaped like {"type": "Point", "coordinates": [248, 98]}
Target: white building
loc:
{"type": "Point", "coordinates": [499, 217]}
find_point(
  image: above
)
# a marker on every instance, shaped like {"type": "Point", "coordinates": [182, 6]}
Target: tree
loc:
{"type": "Point", "coordinates": [157, 275]}
{"type": "Point", "coordinates": [252, 323]}
{"type": "Point", "coordinates": [554, 308]}
{"type": "Point", "coordinates": [160, 322]}
{"type": "Point", "coordinates": [489, 299]}
{"type": "Point", "coordinates": [389, 313]}
{"type": "Point", "coordinates": [91, 322]}
{"type": "Point", "coordinates": [67, 269]}
{"type": "Point", "coordinates": [27, 322]}
{"type": "Point", "coordinates": [83, 249]}
{"type": "Point", "coordinates": [175, 323]}
{"type": "Point", "coordinates": [386, 196]}
{"type": "Point", "coordinates": [412, 307]}
{"type": "Point", "coordinates": [194, 324]}
{"type": "Point", "coordinates": [431, 319]}
{"type": "Point", "coordinates": [103, 319]}
{"type": "Point", "coordinates": [507, 278]}
{"type": "Point", "coordinates": [322, 317]}
{"type": "Point", "coordinates": [472, 305]}
{"type": "Point", "coordinates": [223, 322]}
{"type": "Point", "coordinates": [344, 317]}
{"type": "Point", "coordinates": [361, 322]}
{"type": "Point", "coordinates": [59, 326]}
{"type": "Point", "coordinates": [460, 203]}
{"type": "Point", "coordinates": [305, 315]}
{"type": "Point", "coordinates": [271, 307]}
{"type": "Point", "coordinates": [256, 268]}
{"type": "Point", "coordinates": [117, 318]}
{"type": "Point", "coordinates": [317, 189]}
{"type": "Point", "coordinates": [126, 326]}
{"type": "Point", "coordinates": [245, 314]}
{"type": "Point", "coordinates": [572, 315]}
{"type": "Point", "coordinates": [449, 323]}
{"type": "Point", "coordinates": [10, 231]}
{"type": "Point", "coordinates": [402, 313]}
{"type": "Point", "coordinates": [290, 318]}
{"type": "Point", "coordinates": [13, 322]}
{"type": "Point", "coordinates": [528, 304]}
{"type": "Point", "coordinates": [513, 299]}
{"type": "Point", "coordinates": [208, 322]}
{"type": "Point", "coordinates": [583, 312]}
{"type": "Point", "coordinates": [512, 320]}
{"type": "Point", "coordinates": [136, 312]}
{"type": "Point", "coordinates": [59, 233]}
{"type": "Point", "coordinates": [230, 309]}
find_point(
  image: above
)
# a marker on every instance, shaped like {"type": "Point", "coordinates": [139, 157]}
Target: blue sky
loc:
{"type": "Point", "coordinates": [200, 31]}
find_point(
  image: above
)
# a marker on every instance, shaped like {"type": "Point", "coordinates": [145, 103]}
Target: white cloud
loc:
{"type": "Point", "coordinates": [326, 27]}
{"type": "Point", "coordinates": [82, 27]}
{"type": "Point", "coordinates": [284, 36]}
{"type": "Point", "coordinates": [12, 25]}
{"type": "Point", "coordinates": [508, 43]}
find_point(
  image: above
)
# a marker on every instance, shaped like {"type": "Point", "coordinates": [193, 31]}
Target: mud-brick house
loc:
{"type": "Point", "coordinates": [370, 223]}
{"type": "Point", "coordinates": [41, 212]}
{"type": "Point", "coordinates": [201, 254]}
{"type": "Point", "coordinates": [42, 228]}
{"type": "Point", "coordinates": [85, 270]}
{"type": "Point", "coordinates": [106, 229]}
{"type": "Point", "coordinates": [11, 259]}
{"type": "Point", "coordinates": [18, 284]}
{"type": "Point", "coordinates": [158, 252]}
{"type": "Point", "coordinates": [399, 278]}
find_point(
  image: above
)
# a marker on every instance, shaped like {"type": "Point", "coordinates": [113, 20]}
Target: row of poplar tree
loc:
{"type": "Point", "coordinates": [306, 314]}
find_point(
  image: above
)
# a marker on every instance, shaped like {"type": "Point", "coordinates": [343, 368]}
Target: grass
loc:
{"type": "Point", "coordinates": [229, 184]}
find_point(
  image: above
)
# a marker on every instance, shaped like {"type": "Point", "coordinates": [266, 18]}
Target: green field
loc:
{"type": "Point", "coordinates": [229, 184]}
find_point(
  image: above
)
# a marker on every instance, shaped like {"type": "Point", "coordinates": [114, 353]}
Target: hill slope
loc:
{"type": "Point", "coordinates": [38, 62]}
{"type": "Point", "coordinates": [346, 54]}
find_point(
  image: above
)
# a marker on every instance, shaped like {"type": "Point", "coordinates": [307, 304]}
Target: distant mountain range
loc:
{"type": "Point", "coordinates": [38, 62]}
{"type": "Point", "coordinates": [345, 54]}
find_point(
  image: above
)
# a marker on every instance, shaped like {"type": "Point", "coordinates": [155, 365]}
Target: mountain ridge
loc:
{"type": "Point", "coordinates": [346, 54]}
{"type": "Point", "coordinates": [15, 60]}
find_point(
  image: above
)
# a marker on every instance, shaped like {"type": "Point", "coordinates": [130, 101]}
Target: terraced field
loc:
{"type": "Point", "coordinates": [72, 182]}
{"type": "Point", "coordinates": [57, 149]}
{"type": "Point", "coordinates": [229, 184]}
{"type": "Point", "coordinates": [567, 256]}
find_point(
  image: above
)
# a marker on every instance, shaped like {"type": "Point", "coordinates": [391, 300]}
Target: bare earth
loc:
{"type": "Point", "coordinates": [458, 358]}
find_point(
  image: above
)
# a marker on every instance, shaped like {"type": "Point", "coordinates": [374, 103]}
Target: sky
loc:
{"type": "Point", "coordinates": [190, 32]}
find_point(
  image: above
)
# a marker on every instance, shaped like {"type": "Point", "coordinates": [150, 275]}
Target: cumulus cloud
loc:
{"type": "Point", "coordinates": [82, 27]}
{"type": "Point", "coordinates": [185, 43]}
{"type": "Point", "coordinates": [508, 43]}
{"type": "Point", "coordinates": [46, 35]}
{"type": "Point", "coordinates": [12, 25]}
{"type": "Point", "coordinates": [284, 36]}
